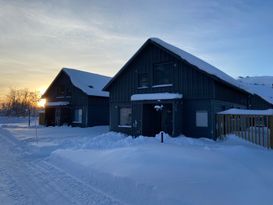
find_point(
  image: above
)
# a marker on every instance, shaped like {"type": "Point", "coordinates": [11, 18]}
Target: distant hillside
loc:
{"type": "Point", "coordinates": [261, 80]}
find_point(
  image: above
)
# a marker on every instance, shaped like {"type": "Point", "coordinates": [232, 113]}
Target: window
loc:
{"type": "Point", "coordinates": [162, 73]}
{"type": "Point", "coordinates": [125, 117]}
{"type": "Point", "coordinates": [68, 92]}
{"type": "Point", "coordinates": [201, 119]}
{"type": "Point", "coordinates": [60, 91]}
{"type": "Point", "coordinates": [78, 116]}
{"type": "Point", "coordinates": [143, 80]}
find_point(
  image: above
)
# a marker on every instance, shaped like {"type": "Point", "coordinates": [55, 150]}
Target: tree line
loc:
{"type": "Point", "coordinates": [20, 103]}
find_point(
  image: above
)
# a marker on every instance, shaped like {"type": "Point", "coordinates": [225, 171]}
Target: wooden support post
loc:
{"type": "Point", "coordinates": [256, 134]}
{"type": "Point", "coordinates": [226, 124]}
{"type": "Point", "coordinates": [263, 131]}
{"type": "Point", "coordinates": [271, 131]}
{"type": "Point", "coordinates": [259, 130]}
{"type": "Point", "coordinates": [243, 127]}
{"type": "Point", "coordinates": [247, 128]}
{"type": "Point", "coordinates": [252, 129]}
{"type": "Point", "coordinates": [267, 132]}
{"type": "Point", "coordinates": [220, 126]}
{"type": "Point", "coordinates": [240, 126]}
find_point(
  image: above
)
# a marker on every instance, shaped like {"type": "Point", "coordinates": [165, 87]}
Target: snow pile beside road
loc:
{"type": "Point", "coordinates": [144, 171]}
{"type": "Point", "coordinates": [180, 171]}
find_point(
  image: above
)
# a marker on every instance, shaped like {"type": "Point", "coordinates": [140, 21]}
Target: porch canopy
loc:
{"type": "Point", "coordinates": [156, 96]}
{"type": "Point", "coordinates": [235, 111]}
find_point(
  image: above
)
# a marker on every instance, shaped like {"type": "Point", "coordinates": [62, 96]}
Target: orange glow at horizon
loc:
{"type": "Point", "coordinates": [41, 103]}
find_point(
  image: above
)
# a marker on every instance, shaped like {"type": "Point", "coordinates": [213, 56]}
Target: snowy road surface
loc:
{"type": "Point", "coordinates": [30, 180]}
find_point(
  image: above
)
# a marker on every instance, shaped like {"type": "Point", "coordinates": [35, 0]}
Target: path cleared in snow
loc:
{"type": "Point", "coordinates": [25, 179]}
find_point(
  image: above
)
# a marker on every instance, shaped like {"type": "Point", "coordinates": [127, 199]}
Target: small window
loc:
{"type": "Point", "coordinates": [78, 116]}
{"type": "Point", "coordinates": [125, 117]}
{"type": "Point", "coordinates": [143, 80]}
{"type": "Point", "coordinates": [60, 91]}
{"type": "Point", "coordinates": [162, 73]}
{"type": "Point", "coordinates": [68, 92]}
{"type": "Point", "coordinates": [201, 119]}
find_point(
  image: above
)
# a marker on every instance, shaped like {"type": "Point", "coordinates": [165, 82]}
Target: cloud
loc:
{"type": "Point", "coordinates": [39, 37]}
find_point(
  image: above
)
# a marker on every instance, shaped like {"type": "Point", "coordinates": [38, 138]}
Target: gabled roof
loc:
{"type": "Point", "coordinates": [191, 59]}
{"type": "Point", "coordinates": [89, 83]}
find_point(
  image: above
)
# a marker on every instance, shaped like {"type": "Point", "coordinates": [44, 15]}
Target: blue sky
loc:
{"type": "Point", "coordinates": [38, 38]}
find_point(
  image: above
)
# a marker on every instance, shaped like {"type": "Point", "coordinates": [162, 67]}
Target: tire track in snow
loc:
{"type": "Point", "coordinates": [23, 181]}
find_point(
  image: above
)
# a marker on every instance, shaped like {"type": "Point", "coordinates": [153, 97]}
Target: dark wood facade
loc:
{"type": "Point", "coordinates": [201, 92]}
{"type": "Point", "coordinates": [69, 105]}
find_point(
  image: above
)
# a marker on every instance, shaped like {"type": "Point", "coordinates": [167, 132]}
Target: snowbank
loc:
{"type": "Point", "coordinates": [144, 171]}
{"type": "Point", "coordinates": [181, 171]}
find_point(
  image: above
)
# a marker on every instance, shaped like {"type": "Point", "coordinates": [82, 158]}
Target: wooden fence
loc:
{"type": "Point", "coordinates": [257, 129]}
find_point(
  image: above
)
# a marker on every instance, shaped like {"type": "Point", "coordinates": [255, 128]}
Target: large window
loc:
{"type": "Point", "coordinates": [143, 80]}
{"type": "Point", "coordinates": [78, 116]}
{"type": "Point", "coordinates": [162, 73]}
{"type": "Point", "coordinates": [125, 116]}
{"type": "Point", "coordinates": [201, 118]}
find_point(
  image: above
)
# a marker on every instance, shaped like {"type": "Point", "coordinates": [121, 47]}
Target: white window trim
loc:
{"type": "Point", "coordinates": [162, 85]}
{"type": "Point", "coordinates": [124, 126]}
{"type": "Point", "coordinates": [205, 118]}
{"type": "Point", "coordinates": [76, 121]}
{"type": "Point", "coordinates": [143, 87]}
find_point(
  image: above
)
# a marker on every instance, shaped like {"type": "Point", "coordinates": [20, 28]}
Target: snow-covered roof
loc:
{"type": "Point", "coordinates": [89, 83]}
{"type": "Point", "coordinates": [57, 103]}
{"type": "Point", "coordinates": [257, 80]}
{"type": "Point", "coordinates": [261, 86]}
{"type": "Point", "coordinates": [235, 111]}
{"type": "Point", "coordinates": [156, 96]}
{"type": "Point", "coordinates": [202, 65]}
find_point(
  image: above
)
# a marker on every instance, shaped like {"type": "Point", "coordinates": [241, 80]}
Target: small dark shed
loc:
{"type": "Point", "coordinates": [76, 98]}
{"type": "Point", "coordinates": [163, 88]}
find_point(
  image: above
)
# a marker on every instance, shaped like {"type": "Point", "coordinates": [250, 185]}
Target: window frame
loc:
{"type": "Point", "coordinates": [156, 82]}
{"type": "Point", "coordinates": [60, 92]}
{"type": "Point", "coordinates": [139, 75]}
{"type": "Point", "coordinates": [199, 119]}
{"type": "Point", "coordinates": [80, 115]}
{"type": "Point", "coordinates": [125, 125]}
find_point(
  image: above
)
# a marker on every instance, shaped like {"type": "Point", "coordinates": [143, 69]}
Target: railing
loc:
{"type": "Point", "coordinates": [257, 129]}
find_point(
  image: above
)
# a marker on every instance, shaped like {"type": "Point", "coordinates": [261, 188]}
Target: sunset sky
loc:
{"type": "Point", "coordinates": [38, 38]}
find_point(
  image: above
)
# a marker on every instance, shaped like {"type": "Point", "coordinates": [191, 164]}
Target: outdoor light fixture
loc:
{"type": "Point", "coordinates": [158, 107]}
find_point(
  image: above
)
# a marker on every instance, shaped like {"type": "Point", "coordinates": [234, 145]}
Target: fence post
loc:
{"type": "Point", "coordinates": [271, 130]}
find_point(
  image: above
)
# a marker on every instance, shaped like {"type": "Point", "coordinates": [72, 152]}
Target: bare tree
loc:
{"type": "Point", "coordinates": [20, 102]}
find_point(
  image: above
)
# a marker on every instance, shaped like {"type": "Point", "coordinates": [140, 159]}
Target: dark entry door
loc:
{"type": "Point", "coordinates": [167, 119]}
{"type": "Point", "coordinates": [58, 116]}
{"type": "Point", "coordinates": [155, 121]}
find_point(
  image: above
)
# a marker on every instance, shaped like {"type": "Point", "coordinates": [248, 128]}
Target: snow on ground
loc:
{"type": "Point", "coordinates": [94, 166]}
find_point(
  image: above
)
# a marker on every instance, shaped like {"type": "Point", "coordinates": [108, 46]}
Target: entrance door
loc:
{"type": "Point", "coordinates": [167, 119]}
{"type": "Point", "coordinates": [58, 116]}
{"type": "Point", "coordinates": [156, 120]}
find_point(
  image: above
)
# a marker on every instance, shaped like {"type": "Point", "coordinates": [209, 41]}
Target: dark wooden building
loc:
{"type": "Point", "coordinates": [76, 98]}
{"type": "Point", "coordinates": [165, 88]}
